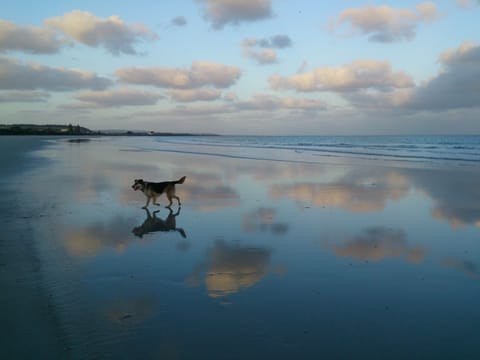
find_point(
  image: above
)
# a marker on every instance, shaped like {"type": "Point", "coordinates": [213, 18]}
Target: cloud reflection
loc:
{"type": "Point", "coordinates": [465, 266]}
{"type": "Point", "coordinates": [376, 244]}
{"type": "Point", "coordinates": [98, 236]}
{"type": "Point", "coordinates": [262, 220]}
{"type": "Point", "coordinates": [456, 195]}
{"type": "Point", "coordinates": [355, 192]}
{"type": "Point", "coordinates": [230, 268]}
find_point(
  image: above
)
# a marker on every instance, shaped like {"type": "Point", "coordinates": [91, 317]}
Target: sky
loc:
{"type": "Point", "coordinates": [260, 67]}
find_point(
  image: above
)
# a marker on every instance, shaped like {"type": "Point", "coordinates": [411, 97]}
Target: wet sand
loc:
{"type": "Point", "coordinates": [265, 259]}
{"type": "Point", "coordinates": [29, 325]}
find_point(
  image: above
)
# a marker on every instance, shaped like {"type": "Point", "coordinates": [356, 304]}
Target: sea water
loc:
{"type": "Point", "coordinates": [447, 149]}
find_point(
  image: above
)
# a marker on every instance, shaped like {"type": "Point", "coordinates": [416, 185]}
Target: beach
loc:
{"type": "Point", "coordinates": [273, 253]}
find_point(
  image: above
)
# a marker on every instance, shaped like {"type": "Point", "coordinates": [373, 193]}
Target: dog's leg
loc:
{"type": "Point", "coordinates": [169, 197]}
{"type": "Point", "coordinates": [178, 199]}
{"type": "Point", "coordinates": [148, 202]}
{"type": "Point", "coordinates": [155, 201]}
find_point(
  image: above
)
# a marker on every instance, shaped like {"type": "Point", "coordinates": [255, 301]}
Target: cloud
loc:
{"type": "Point", "coordinates": [191, 95]}
{"type": "Point", "coordinates": [456, 86]}
{"type": "Point", "coordinates": [276, 41]}
{"type": "Point", "coordinates": [360, 74]}
{"type": "Point", "coordinates": [260, 103]}
{"type": "Point", "coordinates": [263, 57]}
{"type": "Point", "coordinates": [466, 4]}
{"type": "Point", "coordinates": [111, 33]}
{"type": "Point", "coordinates": [119, 97]}
{"type": "Point", "coordinates": [270, 102]}
{"type": "Point", "coordinates": [201, 73]}
{"type": "Point", "coordinates": [222, 12]}
{"type": "Point", "coordinates": [386, 24]}
{"type": "Point", "coordinates": [15, 75]}
{"type": "Point", "coordinates": [230, 96]}
{"type": "Point", "coordinates": [466, 53]}
{"type": "Point", "coordinates": [29, 39]}
{"type": "Point", "coordinates": [24, 96]}
{"type": "Point", "coordinates": [267, 55]}
{"type": "Point", "coordinates": [366, 99]}
{"type": "Point", "coordinates": [179, 21]}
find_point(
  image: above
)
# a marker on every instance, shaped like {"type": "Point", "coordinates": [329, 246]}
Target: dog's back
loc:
{"type": "Point", "coordinates": [165, 186]}
{"type": "Point", "coordinates": [158, 187]}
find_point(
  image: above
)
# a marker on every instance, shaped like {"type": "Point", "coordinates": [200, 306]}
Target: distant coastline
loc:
{"type": "Point", "coordinates": [52, 129]}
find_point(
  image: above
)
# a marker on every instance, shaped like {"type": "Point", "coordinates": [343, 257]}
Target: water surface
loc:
{"type": "Point", "coordinates": [270, 256]}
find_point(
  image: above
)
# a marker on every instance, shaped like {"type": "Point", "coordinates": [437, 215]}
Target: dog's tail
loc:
{"type": "Point", "coordinates": [181, 180]}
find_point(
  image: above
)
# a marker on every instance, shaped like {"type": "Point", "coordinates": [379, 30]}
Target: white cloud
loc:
{"type": "Point", "coordinates": [265, 102]}
{"type": "Point", "coordinates": [35, 40]}
{"type": "Point", "coordinates": [387, 24]}
{"type": "Point", "coordinates": [360, 74]}
{"type": "Point", "coordinates": [201, 73]}
{"type": "Point", "coordinates": [118, 97]}
{"type": "Point", "coordinates": [15, 75]}
{"type": "Point", "coordinates": [222, 12]}
{"type": "Point", "coordinates": [111, 33]}
{"type": "Point", "coordinates": [191, 95]}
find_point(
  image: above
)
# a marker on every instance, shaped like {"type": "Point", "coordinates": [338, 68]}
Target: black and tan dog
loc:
{"type": "Point", "coordinates": [153, 190]}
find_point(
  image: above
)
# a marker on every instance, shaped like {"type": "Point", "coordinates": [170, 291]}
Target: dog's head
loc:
{"type": "Point", "coordinates": [138, 184]}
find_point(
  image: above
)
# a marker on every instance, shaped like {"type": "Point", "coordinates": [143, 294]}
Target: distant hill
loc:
{"type": "Point", "coordinates": [30, 129]}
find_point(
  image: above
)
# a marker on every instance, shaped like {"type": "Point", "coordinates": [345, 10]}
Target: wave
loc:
{"type": "Point", "coordinates": [439, 149]}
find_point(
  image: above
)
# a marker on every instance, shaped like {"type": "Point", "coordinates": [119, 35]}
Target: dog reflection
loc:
{"type": "Point", "coordinates": [153, 224]}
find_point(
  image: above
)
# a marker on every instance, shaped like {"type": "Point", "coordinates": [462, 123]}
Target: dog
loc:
{"type": "Point", "coordinates": [153, 224]}
{"type": "Point", "coordinates": [153, 190]}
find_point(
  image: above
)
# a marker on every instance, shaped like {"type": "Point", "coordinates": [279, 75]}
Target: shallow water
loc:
{"type": "Point", "coordinates": [265, 259]}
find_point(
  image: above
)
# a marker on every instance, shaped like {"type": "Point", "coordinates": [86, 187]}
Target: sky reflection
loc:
{"type": "Point", "coordinates": [173, 271]}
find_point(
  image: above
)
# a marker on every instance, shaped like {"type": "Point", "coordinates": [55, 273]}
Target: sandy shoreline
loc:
{"type": "Point", "coordinates": [264, 259]}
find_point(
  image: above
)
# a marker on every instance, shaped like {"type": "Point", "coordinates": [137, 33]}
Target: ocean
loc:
{"type": "Point", "coordinates": [433, 149]}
